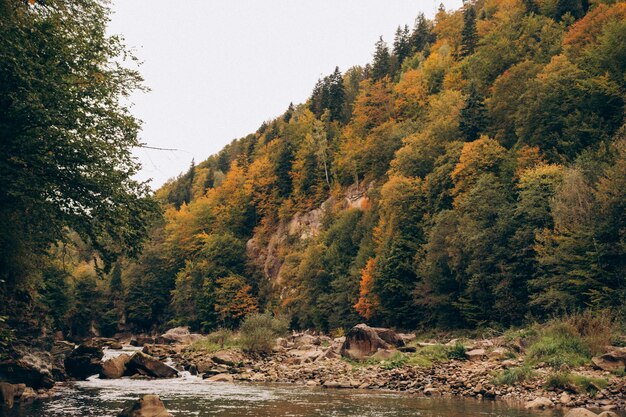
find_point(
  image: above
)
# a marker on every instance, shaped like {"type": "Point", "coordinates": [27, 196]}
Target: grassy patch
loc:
{"type": "Point", "coordinates": [218, 340]}
{"type": "Point", "coordinates": [576, 383]}
{"type": "Point", "coordinates": [558, 345]}
{"type": "Point", "coordinates": [512, 376]}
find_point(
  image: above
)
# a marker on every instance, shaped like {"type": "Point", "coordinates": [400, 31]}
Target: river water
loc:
{"type": "Point", "coordinates": [191, 396]}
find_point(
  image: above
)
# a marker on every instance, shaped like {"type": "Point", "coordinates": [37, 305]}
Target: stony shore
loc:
{"type": "Point", "coordinates": [367, 358]}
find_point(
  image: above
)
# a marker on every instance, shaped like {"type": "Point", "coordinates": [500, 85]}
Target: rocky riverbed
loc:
{"type": "Point", "coordinates": [366, 358]}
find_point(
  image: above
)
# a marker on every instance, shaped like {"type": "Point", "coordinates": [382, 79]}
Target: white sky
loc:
{"type": "Point", "coordinates": [219, 68]}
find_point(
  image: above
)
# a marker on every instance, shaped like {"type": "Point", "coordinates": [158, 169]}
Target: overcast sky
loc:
{"type": "Point", "coordinates": [219, 68]}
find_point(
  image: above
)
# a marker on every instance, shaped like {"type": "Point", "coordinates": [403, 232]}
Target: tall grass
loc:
{"type": "Point", "coordinates": [572, 340]}
{"type": "Point", "coordinates": [513, 376]}
{"type": "Point", "coordinates": [576, 383]}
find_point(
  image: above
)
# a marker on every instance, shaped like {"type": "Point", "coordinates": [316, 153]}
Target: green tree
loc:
{"type": "Point", "coordinates": [473, 117]}
{"type": "Point", "coordinates": [381, 65]}
{"type": "Point", "coordinates": [469, 34]}
{"type": "Point", "coordinates": [66, 134]}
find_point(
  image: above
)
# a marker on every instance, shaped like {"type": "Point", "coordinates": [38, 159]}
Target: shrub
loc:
{"type": "Point", "coordinates": [575, 383]}
{"type": "Point", "coordinates": [457, 352]}
{"type": "Point", "coordinates": [513, 376]}
{"type": "Point", "coordinates": [259, 332]}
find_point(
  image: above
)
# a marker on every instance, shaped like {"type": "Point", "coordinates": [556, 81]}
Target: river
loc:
{"type": "Point", "coordinates": [191, 396]}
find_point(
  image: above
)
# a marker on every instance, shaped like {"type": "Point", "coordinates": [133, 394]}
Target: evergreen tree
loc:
{"type": "Point", "coordinates": [422, 34]}
{"type": "Point", "coordinates": [381, 65]}
{"type": "Point", "coordinates": [469, 35]}
{"type": "Point", "coordinates": [473, 117]}
{"type": "Point", "coordinates": [336, 95]}
{"type": "Point", "coordinates": [402, 44]}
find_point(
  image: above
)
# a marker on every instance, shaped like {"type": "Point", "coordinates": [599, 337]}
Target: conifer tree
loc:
{"type": "Point", "coordinates": [381, 66]}
{"type": "Point", "coordinates": [473, 117]}
{"type": "Point", "coordinates": [469, 34]}
{"type": "Point", "coordinates": [422, 33]}
{"type": "Point", "coordinates": [402, 44]}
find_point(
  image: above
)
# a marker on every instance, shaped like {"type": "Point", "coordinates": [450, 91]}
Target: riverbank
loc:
{"type": "Point", "coordinates": [536, 369]}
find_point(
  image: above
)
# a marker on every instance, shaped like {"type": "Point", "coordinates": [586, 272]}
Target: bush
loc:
{"type": "Point", "coordinates": [259, 332]}
{"type": "Point", "coordinates": [513, 376]}
{"type": "Point", "coordinates": [575, 383]}
{"type": "Point", "coordinates": [596, 328]}
{"type": "Point", "coordinates": [457, 352]}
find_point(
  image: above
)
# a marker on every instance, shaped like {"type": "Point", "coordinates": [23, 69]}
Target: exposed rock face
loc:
{"type": "Point", "coordinates": [147, 406]}
{"type": "Point", "coordinates": [179, 335]}
{"type": "Point", "coordinates": [114, 367]}
{"type": "Point", "coordinates": [84, 361]}
{"type": "Point", "coordinates": [150, 366]}
{"type": "Point", "coordinates": [361, 342]}
{"type": "Point", "coordinates": [613, 361]}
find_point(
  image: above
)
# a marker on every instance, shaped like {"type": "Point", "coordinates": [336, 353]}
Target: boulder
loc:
{"type": "Point", "coordinates": [361, 342]}
{"type": "Point", "coordinates": [32, 369]}
{"type": "Point", "coordinates": [580, 412]}
{"type": "Point", "coordinates": [115, 367]}
{"type": "Point", "coordinates": [228, 357]}
{"type": "Point", "coordinates": [150, 366]}
{"type": "Point", "coordinates": [179, 335]}
{"type": "Point", "coordinates": [613, 361]}
{"type": "Point", "coordinates": [147, 406]}
{"type": "Point", "coordinates": [389, 336]}
{"type": "Point", "coordinates": [9, 392]}
{"type": "Point", "coordinates": [220, 378]}
{"type": "Point", "coordinates": [84, 361]}
{"type": "Point", "coordinates": [608, 414]}
{"type": "Point", "coordinates": [539, 404]}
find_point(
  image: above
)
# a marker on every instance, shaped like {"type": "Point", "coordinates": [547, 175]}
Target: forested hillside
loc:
{"type": "Point", "coordinates": [473, 174]}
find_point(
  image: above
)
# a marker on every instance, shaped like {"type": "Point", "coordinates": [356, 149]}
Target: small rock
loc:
{"type": "Point", "coordinates": [221, 378]}
{"type": "Point", "coordinates": [580, 412]}
{"type": "Point", "coordinates": [539, 404]}
{"type": "Point", "coordinates": [476, 355]}
{"type": "Point", "coordinates": [147, 406]}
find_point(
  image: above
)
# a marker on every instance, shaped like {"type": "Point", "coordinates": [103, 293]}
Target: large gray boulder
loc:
{"type": "Point", "coordinates": [147, 406]}
{"type": "Point", "coordinates": [362, 342]}
{"type": "Point", "coordinates": [151, 366]}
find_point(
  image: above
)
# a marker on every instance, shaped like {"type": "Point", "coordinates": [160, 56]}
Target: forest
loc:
{"type": "Point", "coordinates": [472, 175]}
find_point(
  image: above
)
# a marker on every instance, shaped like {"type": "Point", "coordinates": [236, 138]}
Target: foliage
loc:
{"type": "Point", "coordinates": [559, 344]}
{"type": "Point", "coordinates": [259, 332]}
